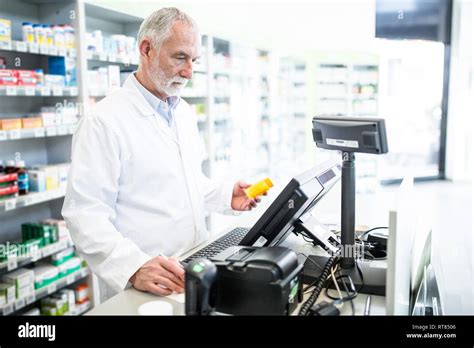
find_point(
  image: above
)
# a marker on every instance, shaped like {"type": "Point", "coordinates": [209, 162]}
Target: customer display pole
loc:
{"type": "Point", "coordinates": [349, 135]}
{"type": "Point", "coordinates": [348, 210]}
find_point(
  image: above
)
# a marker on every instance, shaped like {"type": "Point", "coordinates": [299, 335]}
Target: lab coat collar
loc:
{"type": "Point", "coordinates": [140, 101]}
{"type": "Point", "coordinates": [153, 100]}
{"type": "Point", "coordinates": [146, 109]}
{"type": "Point", "coordinates": [137, 98]}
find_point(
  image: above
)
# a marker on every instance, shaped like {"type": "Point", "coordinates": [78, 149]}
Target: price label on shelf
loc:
{"type": "Point", "coordinates": [14, 134]}
{"type": "Point", "coordinates": [72, 53]}
{"type": "Point", "coordinates": [51, 288]}
{"type": "Point", "coordinates": [53, 50]}
{"type": "Point", "coordinates": [45, 90]}
{"type": "Point", "coordinates": [8, 310]}
{"type": "Point", "coordinates": [70, 279]}
{"type": "Point", "coordinates": [35, 254]}
{"type": "Point", "coordinates": [39, 197]}
{"type": "Point", "coordinates": [12, 90]}
{"type": "Point", "coordinates": [103, 56]}
{"type": "Point", "coordinates": [3, 135]}
{"type": "Point", "coordinates": [6, 45]}
{"type": "Point", "coordinates": [12, 262]}
{"type": "Point", "coordinates": [19, 304]}
{"type": "Point", "coordinates": [30, 299]}
{"type": "Point", "coordinates": [62, 244]}
{"type": "Point", "coordinates": [30, 90]}
{"type": "Point", "coordinates": [62, 51]}
{"type": "Point", "coordinates": [73, 91]}
{"type": "Point", "coordinates": [112, 58]}
{"type": "Point", "coordinates": [62, 130]}
{"type": "Point", "coordinates": [29, 200]}
{"type": "Point", "coordinates": [47, 250]}
{"type": "Point", "coordinates": [33, 47]}
{"type": "Point", "coordinates": [43, 49]}
{"type": "Point", "coordinates": [21, 46]}
{"type": "Point", "coordinates": [39, 132]}
{"type": "Point", "coordinates": [57, 91]}
{"type": "Point", "coordinates": [51, 131]}
{"type": "Point", "coordinates": [55, 247]}
{"type": "Point", "coordinates": [126, 60]}
{"type": "Point", "coordinates": [10, 204]}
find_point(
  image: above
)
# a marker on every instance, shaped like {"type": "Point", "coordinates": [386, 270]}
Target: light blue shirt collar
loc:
{"type": "Point", "coordinates": [164, 108]}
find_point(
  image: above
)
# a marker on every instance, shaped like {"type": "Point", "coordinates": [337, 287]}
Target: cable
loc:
{"type": "Point", "coordinates": [350, 296]}
{"type": "Point", "coordinates": [335, 283]}
{"type": "Point", "coordinates": [318, 287]}
{"type": "Point", "coordinates": [307, 240]}
{"type": "Point", "coordinates": [372, 229]}
{"type": "Point", "coordinates": [372, 257]}
{"type": "Point", "coordinates": [305, 289]}
{"type": "Point", "coordinates": [361, 276]}
{"type": "Point", "coordinates": [347, 290]}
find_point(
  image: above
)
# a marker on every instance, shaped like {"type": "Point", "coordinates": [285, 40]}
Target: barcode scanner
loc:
{"type": "Point", "coordinates": [200, 276]}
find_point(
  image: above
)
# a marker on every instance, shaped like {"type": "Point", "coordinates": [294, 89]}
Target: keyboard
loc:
{"type": "Point", "coordinates": [229, 239]}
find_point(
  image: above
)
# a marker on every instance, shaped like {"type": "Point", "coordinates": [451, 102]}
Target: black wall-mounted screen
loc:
{"type": "Point", "coordinates": [414, 19]}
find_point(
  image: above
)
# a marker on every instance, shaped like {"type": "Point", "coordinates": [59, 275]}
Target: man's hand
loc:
{"type": "Point", "coordinates": [240, 201]}
{"type": "Point", "coordinates": [161, 275]}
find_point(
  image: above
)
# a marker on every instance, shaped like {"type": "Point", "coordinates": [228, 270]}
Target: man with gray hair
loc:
{"type": "Point", "coordinates": [136, 196]}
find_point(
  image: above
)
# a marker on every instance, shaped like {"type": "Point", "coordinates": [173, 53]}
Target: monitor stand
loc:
{"type": "Point", "coordinates": [373, 279]}
{"type": "Point", "coordinates": [373, 272]}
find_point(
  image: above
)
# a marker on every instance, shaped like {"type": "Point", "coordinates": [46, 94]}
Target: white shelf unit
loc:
{"type": "Point", "coordinates": [242, 110]}
{"type": "Point", "coordinates": [364, 82]}
{"type": "Point", "coordinates": [350, 89]}
{"type": "Point", "coordinates": [99, 57]}
{"type": "Point", "coordinates": [36, 146]}
{"type": "Point", "coordinates": [347, 89]}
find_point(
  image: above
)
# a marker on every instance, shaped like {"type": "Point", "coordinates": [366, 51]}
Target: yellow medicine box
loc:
{"type": "Point", "coordinates": [32, 122]}
{"type": "Point", "coordinates": [11, 123]}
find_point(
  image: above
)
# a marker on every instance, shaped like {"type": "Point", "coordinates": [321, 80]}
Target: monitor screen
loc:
{"type": "Point", "coordinates": [298, 197]}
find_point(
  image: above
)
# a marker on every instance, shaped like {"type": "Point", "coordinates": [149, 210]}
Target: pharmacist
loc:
{"type": "Point", "coordinates": [136, 194]}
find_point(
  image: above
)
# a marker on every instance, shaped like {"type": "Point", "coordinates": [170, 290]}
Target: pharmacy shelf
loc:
{"type": "Point", "coordinates": [126, 60]}
{"type": "Point", "coordinates": [193, 96]}
{"type": "Point", "coordinates": [42, 132]}
{"type": "Point", "coordinates": [30, 199]}
{"type": "Point", "coordinates": [43, 292]}
{"type": "Point", "coordinates": [14, 263]}
{"type": "Point", "coordinates": [335, 82]}
{"type": "Point", "coordinates": [332, 98]}
{"type": "Point", "coordinates": [38, 91]}
{"type": "Point", "coordinates": [80, 309]}
{"type": "Point", "coordinates": [111, 58]}
{"type": "Point", "coordinates": [34, 48]}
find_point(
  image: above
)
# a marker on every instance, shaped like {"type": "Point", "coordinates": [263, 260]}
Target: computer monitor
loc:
{"type": "Point", "coordinates": [298, 197]}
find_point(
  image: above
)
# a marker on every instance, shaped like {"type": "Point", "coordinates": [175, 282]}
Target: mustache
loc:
{"type": "Point", "coordinates": [179, 80]}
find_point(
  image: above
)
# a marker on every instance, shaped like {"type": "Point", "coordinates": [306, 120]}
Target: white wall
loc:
{"type": "Point", "coordinates": [461, 95]}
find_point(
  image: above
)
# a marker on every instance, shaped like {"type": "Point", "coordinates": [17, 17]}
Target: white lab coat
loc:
{"type": "Point", "coordinates": [135, 191]}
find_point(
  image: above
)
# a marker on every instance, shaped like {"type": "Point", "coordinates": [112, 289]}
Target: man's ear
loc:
{"type": "Point", "coordinates": [145, 48]}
